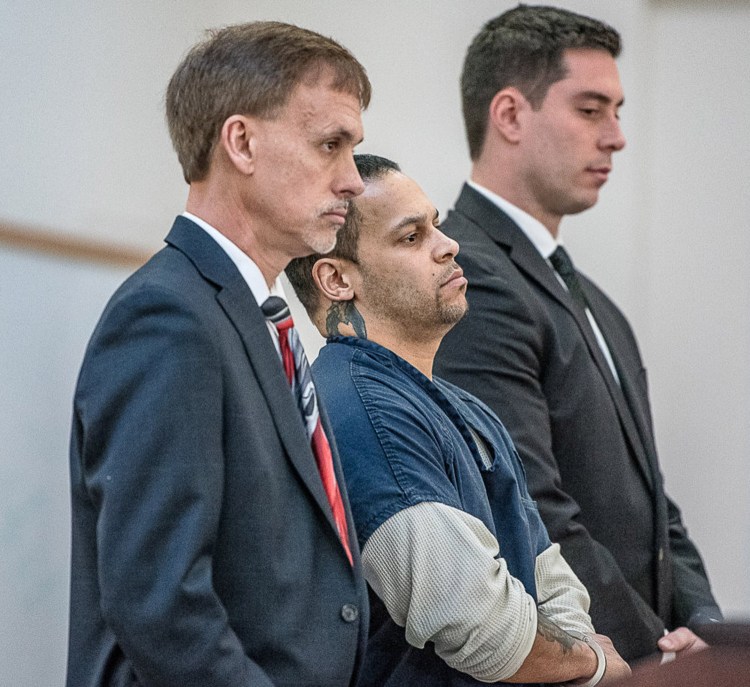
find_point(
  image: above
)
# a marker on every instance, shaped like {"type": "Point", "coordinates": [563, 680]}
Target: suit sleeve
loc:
{"type": "Point", "coordinates": [693, 602]}
{"type": "Point", "coordinates": [504, 367]}
{"type": "Point", "coordinates": [151, 417]}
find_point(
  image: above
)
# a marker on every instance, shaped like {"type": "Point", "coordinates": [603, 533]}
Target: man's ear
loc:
{"type": "Point", "coordinates": [506, 113]}
{"type": "Point", "coordinates": [237, 140]}
{"type": "Point", "coordinates": [333, 278]}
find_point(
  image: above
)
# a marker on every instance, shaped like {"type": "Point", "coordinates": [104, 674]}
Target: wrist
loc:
{"type": "Point", "coordinates": [601, 659]}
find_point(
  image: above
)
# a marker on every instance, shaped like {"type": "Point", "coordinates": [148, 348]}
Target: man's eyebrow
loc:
{"type": "Point", "coordinates": [601, 97]}
{"type": "Point", "coordinates": [345, 134]}
{"type": "Point", "coordinates": [412, 219]}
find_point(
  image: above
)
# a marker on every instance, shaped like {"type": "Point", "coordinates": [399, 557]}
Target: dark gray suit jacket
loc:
{"type": "Point", "coordinates": [587, 444]}
{"type": "Point", "coordinates": [204, 549]}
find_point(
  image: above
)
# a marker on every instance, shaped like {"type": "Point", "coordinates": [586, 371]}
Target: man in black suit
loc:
{"type": "Point", "coordinates": [212, 537]}
{"type": "Point", "coordinates": [543, 346]}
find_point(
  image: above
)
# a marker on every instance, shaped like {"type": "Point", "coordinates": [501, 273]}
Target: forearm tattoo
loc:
{"type": "Point", "coordinates": [552, 633]}
{"type": "Point", "coordinates": [343, 313]}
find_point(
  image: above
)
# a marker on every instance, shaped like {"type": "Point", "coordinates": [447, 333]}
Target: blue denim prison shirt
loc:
{"type": "Point", "coordinates": [404, 439]}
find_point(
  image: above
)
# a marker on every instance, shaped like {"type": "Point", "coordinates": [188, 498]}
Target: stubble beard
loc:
{"type": "Point", "coordinates": [396, 302]}
{"type": "Point", "coordinates": [451, 313]}
{"type": "Point", "coordinates": [321, 240]}
{"type": "Point", "coordinates": [322, 235]}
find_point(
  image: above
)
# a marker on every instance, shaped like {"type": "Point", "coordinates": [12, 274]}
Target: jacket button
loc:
{"type": "Point", "coordinates": [349, 612]}
{"type": "Point", "coordinates": [661, 554]}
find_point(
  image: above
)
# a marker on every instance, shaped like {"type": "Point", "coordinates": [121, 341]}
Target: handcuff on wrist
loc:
{"type": "Point", "coordinates": [601, 659]}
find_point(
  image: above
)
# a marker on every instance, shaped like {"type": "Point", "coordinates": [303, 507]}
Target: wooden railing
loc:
{"type": "Point", "coordinates": [60, 245]}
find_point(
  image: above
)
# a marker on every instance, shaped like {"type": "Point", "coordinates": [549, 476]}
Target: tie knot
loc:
{"type": "Point", "coordinates": [562, 263]}
{"type": "Point", "coordinates": [564, 267]}
{"type": "Point", "coordinates": [277, 312]}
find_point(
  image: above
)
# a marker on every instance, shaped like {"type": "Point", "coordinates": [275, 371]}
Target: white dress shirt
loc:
{"type": "Point", "coordinates": [248, 269]}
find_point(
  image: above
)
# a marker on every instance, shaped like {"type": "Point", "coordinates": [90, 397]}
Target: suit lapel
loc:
{"type": "Point", "coordinates": [236, 299]}
{"type": "Point", "coordinates": [627, 371]}
{"type": "Point", "coordinates": [504, 231]}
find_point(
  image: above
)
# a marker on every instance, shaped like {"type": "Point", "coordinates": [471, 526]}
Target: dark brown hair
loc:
{"type": "Point", "coordinates": [248, 69]}
{"type": "Point", "coordinates": [523, 47]}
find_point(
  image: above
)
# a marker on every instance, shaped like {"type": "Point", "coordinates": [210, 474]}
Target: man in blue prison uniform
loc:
{"type": "Point", "coordinates": [467, 587]}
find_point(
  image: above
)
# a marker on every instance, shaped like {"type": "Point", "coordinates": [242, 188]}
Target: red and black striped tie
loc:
{"type": "Point", "coordinates": [298, 374]}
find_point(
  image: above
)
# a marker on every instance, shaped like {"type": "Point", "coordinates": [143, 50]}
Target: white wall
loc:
{"type": "Point", "coordinates": [696, 267]}
{"type": "Point", "coordinates": [84, 150]}
{"type": "Point", "coordinates": [47, 311]}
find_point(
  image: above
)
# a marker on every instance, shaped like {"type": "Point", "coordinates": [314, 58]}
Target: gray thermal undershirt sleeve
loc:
{"type": "Point", "coordinates": [435, 568]}
{"type": "Point", "coordinates": [562, 596]}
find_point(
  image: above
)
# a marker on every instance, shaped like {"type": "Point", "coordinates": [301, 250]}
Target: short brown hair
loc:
{"type": "Point", "coordinates": [248, 69]}
{"type": "Point", "coordinates": [524, 47]}
{"type": "Point", "coordinates": [299, 270]}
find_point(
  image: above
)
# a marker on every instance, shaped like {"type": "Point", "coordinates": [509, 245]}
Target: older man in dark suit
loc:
{"type": "Point", "coordinates": [212, 537]}
{"type": "Point", "coordinates": [543, 346]}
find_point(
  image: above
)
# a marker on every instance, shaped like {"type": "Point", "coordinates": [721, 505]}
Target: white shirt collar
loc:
{"type": "Point", "coordinates": [248, 269]}
{"type": "Point", "coordinates": [535, 231]}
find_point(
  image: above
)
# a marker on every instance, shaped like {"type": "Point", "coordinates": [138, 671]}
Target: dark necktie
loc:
{"type": "Point", "coordinates": [564, 267]}
{"type": "Point", "coordinates": [297, 371]}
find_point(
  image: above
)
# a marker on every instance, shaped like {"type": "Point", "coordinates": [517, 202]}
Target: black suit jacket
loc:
{"type": "Point", "coordinates": [587, 443]}
{"type": "Point", "coordinates": [204, 549]}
